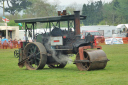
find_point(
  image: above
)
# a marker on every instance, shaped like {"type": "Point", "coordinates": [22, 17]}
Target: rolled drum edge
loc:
{"type": "Point", "coordinates": [98, 59]}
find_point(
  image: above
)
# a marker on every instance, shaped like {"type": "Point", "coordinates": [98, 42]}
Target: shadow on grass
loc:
{"type": "Point", "coordinates": [67, 69]}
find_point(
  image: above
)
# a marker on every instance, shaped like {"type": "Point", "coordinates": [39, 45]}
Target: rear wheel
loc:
{"type": "Point", "coordinates": [38, 57]}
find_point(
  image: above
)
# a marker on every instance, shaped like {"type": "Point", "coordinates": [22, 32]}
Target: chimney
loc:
{"type": "Point", "coordinates": [77, 22]}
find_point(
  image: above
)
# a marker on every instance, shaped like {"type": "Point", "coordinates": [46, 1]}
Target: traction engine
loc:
{"type": "Point", "coordinates": [53, 47]}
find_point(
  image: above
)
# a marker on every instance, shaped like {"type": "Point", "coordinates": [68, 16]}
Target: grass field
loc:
{"type": "Point", "coordinates": [115, 73]}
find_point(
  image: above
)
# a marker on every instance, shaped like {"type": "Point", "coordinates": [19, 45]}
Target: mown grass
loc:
{"type": "Point", "coordinates": [115, 73]}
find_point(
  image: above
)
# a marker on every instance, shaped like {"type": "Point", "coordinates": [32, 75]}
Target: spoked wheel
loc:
{"type": "Point", "coordinates": [57, 65]}
{"type": "Point", "coordinates": [36, 53]}
{"type": "Point", "coordinates": [97, 60]}
{"type": "Point", "coordinates": [16, 53]}
{"type": "Point", "coordinates": [83, 66]}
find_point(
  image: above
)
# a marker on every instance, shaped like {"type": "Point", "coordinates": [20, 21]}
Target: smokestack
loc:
{"type": "Point", "coordinates": [59, 13]}
{"type": "Point", "coordinates": [64, 12]}
{"type": "Point", "coordinates": [77, 22]}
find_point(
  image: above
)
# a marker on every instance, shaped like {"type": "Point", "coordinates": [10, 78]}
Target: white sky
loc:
{"type": "Point", "coordinates": [68, 2]}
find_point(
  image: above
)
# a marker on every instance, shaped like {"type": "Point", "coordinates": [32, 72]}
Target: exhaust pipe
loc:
{"type": "Point", "coordinates": [77, 22]}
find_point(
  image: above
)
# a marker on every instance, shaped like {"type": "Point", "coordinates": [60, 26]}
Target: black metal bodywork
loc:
{"type": "Point", "coordinates": [73, 39]}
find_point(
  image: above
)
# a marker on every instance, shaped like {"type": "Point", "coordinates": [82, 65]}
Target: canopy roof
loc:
{"type": "Point", "coordinates": [49, 19]}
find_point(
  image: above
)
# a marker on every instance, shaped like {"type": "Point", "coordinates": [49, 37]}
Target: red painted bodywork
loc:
{"type": "Point", "coordinates": [81, 50]}
{"type": "Point", "coordinates": [98, 37]}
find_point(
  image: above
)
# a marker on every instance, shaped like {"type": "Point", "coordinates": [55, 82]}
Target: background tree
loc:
{"type": "Point", "coordinates": [84, 12]}
{"type": "Point", "coordinates": [122, 11]}
{"type": "Point", "coordinates": [16, 5]}
{"type": "Point", "coordinates": [40, 8]}
{"type": "Point", "coordinates": [94, 13]}
{"type": "Point", "coordinates": [98, 13]}
{"type": "Point", "coordinates": [112, 13]}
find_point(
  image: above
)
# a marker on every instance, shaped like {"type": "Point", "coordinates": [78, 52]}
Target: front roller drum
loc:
{"type": "Point", "coordinates": [94, 59]}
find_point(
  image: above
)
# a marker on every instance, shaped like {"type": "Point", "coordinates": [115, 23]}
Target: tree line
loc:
{"type": "Point", "coordinates": [98, 13]}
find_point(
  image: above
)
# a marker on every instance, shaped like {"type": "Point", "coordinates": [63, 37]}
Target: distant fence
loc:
{"type": "Point", "coordinates": [10, 45]}
{"type": "Point", "coordinates": [125, 40]}
{"type": "Point", "coordinates": [15, 44]}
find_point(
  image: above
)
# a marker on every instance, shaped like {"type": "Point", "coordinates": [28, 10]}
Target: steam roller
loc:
{"type": "Point", "coordinates": [52, 46]}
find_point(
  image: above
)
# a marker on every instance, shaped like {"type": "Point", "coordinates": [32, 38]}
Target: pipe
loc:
{"type": "Point", "coordinates": [77, 22]}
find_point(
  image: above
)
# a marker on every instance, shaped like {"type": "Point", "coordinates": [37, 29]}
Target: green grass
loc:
{"type": "Point", "coordinates": [115, 73]}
